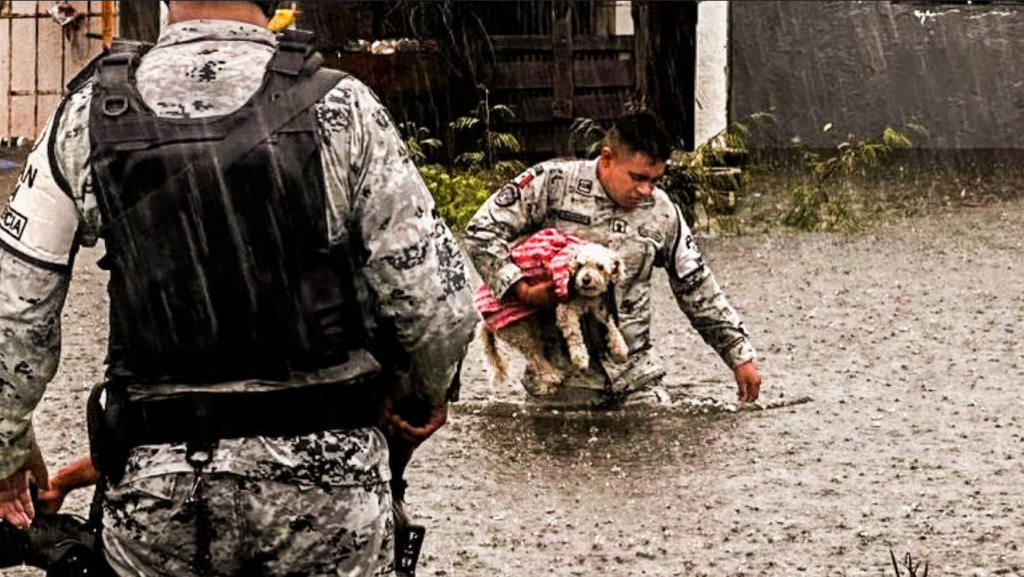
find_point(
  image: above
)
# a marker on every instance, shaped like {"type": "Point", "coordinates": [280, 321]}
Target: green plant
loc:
{"type": "Point", "coordinates": [853, 157]}
{"type": "Point", "coordinates": [491, 144]}
{"type": "Point", "coordinates": [708, 179]}
{"type": "Point", "coordinates": [418, 141]}
{"type": "Point", "coordinates": [734, 138]}
{"type": "Point", "coordinates": [826, 199]}
{"type": "Point", "coordinates": [456, 195]}
{"type": "Point", "coordinates": [588, 134]}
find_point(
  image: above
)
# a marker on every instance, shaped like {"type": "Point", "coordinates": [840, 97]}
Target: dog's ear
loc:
{"type": "Point", "coordinates": [574, 263]}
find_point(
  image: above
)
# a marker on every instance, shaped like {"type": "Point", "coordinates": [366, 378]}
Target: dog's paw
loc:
{"type": "Point", "coordinates": [542, 384]}
{"type": "Point", "coordinates": [580, 357]}
{"type": "Point", "coordinates": [618, 348]}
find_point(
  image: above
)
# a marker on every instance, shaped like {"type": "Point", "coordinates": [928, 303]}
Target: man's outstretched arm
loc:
{"type": "Point", "coordinates": [702, 301]}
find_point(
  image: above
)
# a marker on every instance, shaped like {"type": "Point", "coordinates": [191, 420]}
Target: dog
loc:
{"type": "Point", "coordinates": [594, 270]}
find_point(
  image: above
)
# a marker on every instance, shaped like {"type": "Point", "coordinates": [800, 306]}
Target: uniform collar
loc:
{"type": "Point", "coordinates": [222, 30]}
{"type": "Point", "coordinates": [590, 169]}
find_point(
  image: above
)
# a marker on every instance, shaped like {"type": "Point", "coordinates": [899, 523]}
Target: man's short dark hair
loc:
{"type": "Point", "coordinates": [643, 133]}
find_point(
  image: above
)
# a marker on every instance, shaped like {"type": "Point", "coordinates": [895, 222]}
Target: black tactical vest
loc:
{"type": "Point", "coordinates": [216, 231]}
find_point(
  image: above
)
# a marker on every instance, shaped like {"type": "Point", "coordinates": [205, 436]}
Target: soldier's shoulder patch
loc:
{"type": "Point", "coordinates": [689, 243]}
{"type": "Point", "coordinates": [584, 186]}
{"type": "Point", "coordinates": [507, 196]}
{"type": "Point", "coordinates": [13, 223]}
{"type": "Point", "coordinates": [524, 179]}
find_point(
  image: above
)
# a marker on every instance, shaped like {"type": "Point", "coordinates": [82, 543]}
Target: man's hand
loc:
{"type": "Point", "coordinates": [400, 428]}
{"type": "Point", "coordinates": [77, 475]}
{"type": "Point", "coordinates": [541, 296]}
{"type": "Point", "coordinates": [15, 501]}
{"type": "Point", "coordinates": [748, 382]}
{"type": "Point", "coordinates": [50, 500]}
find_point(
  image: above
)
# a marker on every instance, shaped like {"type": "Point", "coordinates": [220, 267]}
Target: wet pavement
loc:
{"type": "Point", "coordinates": [892, 363]}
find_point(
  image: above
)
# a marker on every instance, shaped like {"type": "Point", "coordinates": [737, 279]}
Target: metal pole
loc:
{"type": "Point", "coordinates": [107, 20]}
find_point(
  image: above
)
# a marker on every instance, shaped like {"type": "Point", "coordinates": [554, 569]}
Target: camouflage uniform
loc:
{"type": "Point", "coordinates": [566, 195]}
{"type": "Point", "coordinates": [318, 504]}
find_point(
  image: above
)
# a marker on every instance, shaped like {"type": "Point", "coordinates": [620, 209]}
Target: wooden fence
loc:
{"type": "Point", "coordinates": [551, 80]}
{"type": "Point", "coordinates": [37, 60]}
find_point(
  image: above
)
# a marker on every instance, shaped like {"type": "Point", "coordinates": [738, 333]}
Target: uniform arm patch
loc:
{"type": "Point", "coordinates": [507, 196]}
{"type": "Point", "coordinates": [686, 259]}
{"type": "Point", "coordinates": [40, 221]}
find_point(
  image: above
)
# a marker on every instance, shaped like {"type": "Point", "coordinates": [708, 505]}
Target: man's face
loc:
{"type": "Point", "coordinates": [628, 177]}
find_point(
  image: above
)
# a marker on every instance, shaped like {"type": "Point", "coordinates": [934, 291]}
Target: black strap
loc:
{"type": "Point", "coordinates": [89, 70]}
{"type": "Point", "coordinates": [292, 412]}
{"type": "Point", "coordinates": [294, 49]}
{"type": "Point", "coordinates": [279, 113]}
{"type": "Point", "coordinates": [116, 73]}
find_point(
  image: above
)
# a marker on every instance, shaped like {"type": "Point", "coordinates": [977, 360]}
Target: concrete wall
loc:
{"type": "Point", "coordinates": [956, 69]}
{"type": "Point", "coordinates": [37, 61]}
{"type": "Point", "coordinates": [712, 83]}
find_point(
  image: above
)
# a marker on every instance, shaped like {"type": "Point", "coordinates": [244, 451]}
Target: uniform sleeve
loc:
{"type": "Point", "coordinates": [71, 149]}
{"type": "Point", "coordinates": [410, 261]}
{"type": "Point", "coordinates": [508, 215]}
{"type": "Point", "coordinates": [37, 243]}
{"type": "Point", "coordinates": [702, 300]}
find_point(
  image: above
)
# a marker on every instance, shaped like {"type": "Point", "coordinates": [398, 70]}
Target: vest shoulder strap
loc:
{"type": "Point", "coordinates": [296, 54]}
{"type": "Point", "coordinates": [304, 94]}
{"type": "Point", "coordinates": [89, 70]}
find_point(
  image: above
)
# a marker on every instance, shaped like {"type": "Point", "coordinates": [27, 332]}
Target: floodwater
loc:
{"type": "Point", "coordinates": [892, 363]}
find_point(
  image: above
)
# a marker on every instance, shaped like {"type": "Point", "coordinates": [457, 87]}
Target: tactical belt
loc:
{"type": "Point", "coordinates": [211, 417]}
{"type": "Point", "coordinates": [205, 418]}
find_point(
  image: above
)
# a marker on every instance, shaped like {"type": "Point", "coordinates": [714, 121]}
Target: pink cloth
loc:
{"type": "Point", "coordinates": [544, 255]}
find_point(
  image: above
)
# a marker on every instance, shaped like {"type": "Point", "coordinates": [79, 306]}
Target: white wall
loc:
{"type": "Point", "coordinates": [623, 18]}
{"type": "Point", "coordinates": [712, 69]}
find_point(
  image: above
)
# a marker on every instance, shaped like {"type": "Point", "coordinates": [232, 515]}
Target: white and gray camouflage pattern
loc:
{"type": "Point", "coordinates": [566, 195]}
{"type": "Point", "coordinates": [413, 268]}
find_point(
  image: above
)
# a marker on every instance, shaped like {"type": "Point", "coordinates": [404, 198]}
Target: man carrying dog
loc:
{"type": "Point", "coordinates": [276, 264]}
{"type": "Point", "coordinates": [612, 200]}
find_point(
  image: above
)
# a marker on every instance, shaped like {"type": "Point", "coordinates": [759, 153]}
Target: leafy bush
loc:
{"type": "Point", "coordinates": [706, 178]}
{"type": "Point", "coordinates": [827, 198]}
{"type": "Point", "coordinates": [588, 134]}
{"type": "Point", "coordinates": [418, 141]}
{"type": "Point", "coordinates": [457, 195]}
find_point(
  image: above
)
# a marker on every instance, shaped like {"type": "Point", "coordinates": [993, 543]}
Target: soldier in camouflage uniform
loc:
{"type": "Point", "coordinates": [316, 503]}
{"type": "Point", "coordinates": [612, 200]}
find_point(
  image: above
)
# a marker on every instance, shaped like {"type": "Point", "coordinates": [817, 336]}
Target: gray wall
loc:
{"type": "Point", "coordinates": [956, 69]}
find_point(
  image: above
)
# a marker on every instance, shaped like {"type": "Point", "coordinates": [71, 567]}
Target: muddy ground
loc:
{"type": "Point", "coordinates": [904, 341]}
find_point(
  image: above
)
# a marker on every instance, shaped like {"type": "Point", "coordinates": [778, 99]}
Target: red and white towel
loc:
{"type": "Point", "coordinates": [543, 256]}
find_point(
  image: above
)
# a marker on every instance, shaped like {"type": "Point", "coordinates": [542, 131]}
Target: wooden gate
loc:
{"type": "Point", "coordinates": [37, 60]}
{"type": "Point", "coordinates": [551, 79]}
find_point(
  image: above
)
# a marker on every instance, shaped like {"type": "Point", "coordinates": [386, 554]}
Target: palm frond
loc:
{"type": "Point", "coordinates": [503, 142]}
{"type": "Point", "coordinates": [465, 123]}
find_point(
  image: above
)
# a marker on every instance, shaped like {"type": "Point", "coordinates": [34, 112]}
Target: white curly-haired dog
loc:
{"type": "Point", "coordinates": [594, 270]}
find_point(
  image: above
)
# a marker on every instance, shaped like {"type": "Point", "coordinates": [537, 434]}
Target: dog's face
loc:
{"type": "Point", "coordinates": [594, 269]}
